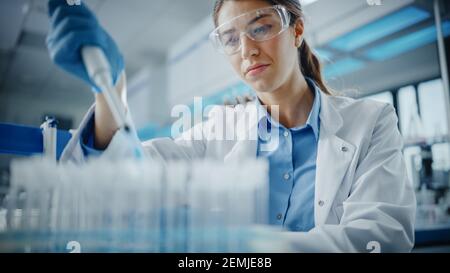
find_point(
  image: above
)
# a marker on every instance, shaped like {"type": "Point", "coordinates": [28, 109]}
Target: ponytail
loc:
{"type": "Point", "coordinates": [311, 67]}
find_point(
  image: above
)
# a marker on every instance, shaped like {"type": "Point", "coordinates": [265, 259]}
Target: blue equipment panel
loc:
{"type": "Point", "coordinates": [26, 140]}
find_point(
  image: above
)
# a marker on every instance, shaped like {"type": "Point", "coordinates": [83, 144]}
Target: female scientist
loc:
{"type": "Point", "coordinates": [338, 181]}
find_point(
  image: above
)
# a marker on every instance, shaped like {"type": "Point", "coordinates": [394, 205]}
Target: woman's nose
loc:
{"type": "Point", "coordinates": [248, 47]}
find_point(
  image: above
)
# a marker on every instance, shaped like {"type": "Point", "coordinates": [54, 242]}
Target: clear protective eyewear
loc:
{"type": "Point", "coordinates": [258, 25]}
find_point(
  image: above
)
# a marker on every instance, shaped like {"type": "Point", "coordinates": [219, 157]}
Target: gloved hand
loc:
{"type": "Point", "coordinates": [75, 26]}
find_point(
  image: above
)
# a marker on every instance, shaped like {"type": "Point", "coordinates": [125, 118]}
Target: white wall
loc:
{"type": "Point", "coordinates": [147, 96]}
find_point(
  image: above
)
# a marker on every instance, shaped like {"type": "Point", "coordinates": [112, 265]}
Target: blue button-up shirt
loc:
{"type": "Point", "coordinates": [292, 169]}
{"type": "Point", "coordinates": [87, 139]}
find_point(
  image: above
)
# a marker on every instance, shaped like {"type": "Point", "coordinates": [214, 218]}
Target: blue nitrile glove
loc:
{"type": "Point", "coordinates": [71, 28]}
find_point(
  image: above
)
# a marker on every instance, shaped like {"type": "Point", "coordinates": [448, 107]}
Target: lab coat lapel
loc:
{"type": "Point", "coordinates": [334, 156]}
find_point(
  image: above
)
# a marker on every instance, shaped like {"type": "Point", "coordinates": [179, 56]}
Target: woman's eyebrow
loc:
{"type": "Point", "coordinates": [254, 20]}
{"type": "Point", "coordinates": [228, 31]}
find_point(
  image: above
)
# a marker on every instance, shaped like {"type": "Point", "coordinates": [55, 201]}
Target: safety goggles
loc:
{"type": "Point", "coordinates": [259, 25]}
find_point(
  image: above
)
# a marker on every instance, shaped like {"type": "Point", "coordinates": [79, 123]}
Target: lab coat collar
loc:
{"type": "Point", "coordinates": [265, 119]}
{"type": "Point", "coordinates": [330, 119]}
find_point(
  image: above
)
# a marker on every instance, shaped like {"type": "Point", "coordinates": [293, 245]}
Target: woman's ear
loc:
{"type": "Point", "coordinates": [298, 32]}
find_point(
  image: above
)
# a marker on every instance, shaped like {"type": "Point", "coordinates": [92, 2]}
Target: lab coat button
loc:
{"type": "Point", "coordinates": [321, 203]}
{"type": "Point", "coordinates": [344, 149]}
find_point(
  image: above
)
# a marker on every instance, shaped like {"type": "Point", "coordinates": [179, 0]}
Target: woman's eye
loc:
{"type": "Point", "coordinates": [261, 30]}
{"type": "Point", "coordinates": [231, 41]}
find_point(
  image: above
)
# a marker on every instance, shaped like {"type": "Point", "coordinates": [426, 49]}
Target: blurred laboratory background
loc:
{"type": "Point", "coordinates": [396, 51]}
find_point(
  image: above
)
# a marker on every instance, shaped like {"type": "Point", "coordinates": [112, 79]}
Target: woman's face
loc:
{"type": "Point", "coordinates": [278, 55]}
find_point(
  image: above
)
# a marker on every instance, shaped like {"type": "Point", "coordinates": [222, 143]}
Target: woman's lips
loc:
{"type": "Point", "coordinates": [257, 70]}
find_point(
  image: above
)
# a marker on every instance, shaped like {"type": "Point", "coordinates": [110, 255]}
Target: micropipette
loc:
{"type": "Point", "coordinates": [98, 69]}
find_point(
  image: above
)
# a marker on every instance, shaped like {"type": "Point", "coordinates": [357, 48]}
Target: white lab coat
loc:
{"type": "Point", "coordinates": [362, 192]}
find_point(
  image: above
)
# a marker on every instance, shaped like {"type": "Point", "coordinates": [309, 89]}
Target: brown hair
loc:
{"type": "Point", "coordinates": [309, 63]}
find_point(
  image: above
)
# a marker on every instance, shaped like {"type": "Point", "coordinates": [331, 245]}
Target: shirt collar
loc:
{"type": "Point", "coordinates": [313, 120]}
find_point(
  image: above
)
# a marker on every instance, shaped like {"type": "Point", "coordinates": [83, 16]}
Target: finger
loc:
{"type": "Point", "coordinates": [67, 51]}
{"type": "Point", "coordinates": [71, 43]}
{"type": "Point", "coordinates": [53, 4]}
{"type": "Point", "coordinates": [61, 10]}
{"type": "Point", "coordinates": [68, 25]}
